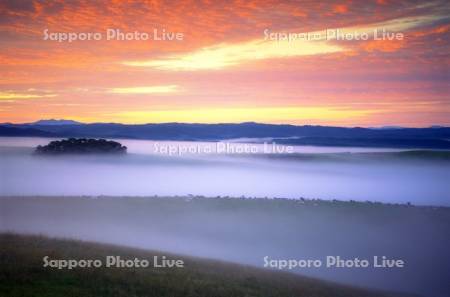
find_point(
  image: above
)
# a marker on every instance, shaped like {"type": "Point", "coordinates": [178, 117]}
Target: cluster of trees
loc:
{"type": "Point", "coordinates": [81, 146]}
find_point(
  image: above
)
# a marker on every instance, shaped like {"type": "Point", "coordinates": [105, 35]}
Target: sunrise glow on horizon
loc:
{"type": "Point", "coordinates": [209, 62]}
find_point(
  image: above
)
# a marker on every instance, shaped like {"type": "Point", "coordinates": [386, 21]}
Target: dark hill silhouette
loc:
{"type": "Point", "coordinates": [15, 131]}
{"type": "Point", "coordinates": [287, 134]}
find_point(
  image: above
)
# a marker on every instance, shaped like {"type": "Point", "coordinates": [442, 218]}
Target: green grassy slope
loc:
{"type": "Point", "coordinates": [22, 274]}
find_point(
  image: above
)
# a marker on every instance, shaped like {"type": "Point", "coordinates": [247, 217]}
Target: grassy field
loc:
{"type": "Point", "coordinates": [242, 231]}
{"type": "Point", "coordinates": [22, 274]}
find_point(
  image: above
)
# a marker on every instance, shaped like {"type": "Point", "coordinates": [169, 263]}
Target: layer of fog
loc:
{"type": "Point", "coordinates": [151, 147]}
{"type": "Point", "coordinates": [245, 231]}
{"type": "Point", "coordinates": [240, 232]}
{"type": "Point", "coordinates": [214, 175]}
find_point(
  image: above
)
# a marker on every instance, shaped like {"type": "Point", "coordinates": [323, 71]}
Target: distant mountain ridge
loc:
{"type": "Point", "coordinates": [56, 122]}
{"type": "Point", "coordinates": [435, 137]}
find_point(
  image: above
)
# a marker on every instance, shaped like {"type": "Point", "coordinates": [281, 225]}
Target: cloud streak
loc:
{"type": "Point", "coordinates": [12, 96]}
{"type": "Point", "coordinates": [145, 90]}
{"type": "Point", "coordinates": [226, 55]}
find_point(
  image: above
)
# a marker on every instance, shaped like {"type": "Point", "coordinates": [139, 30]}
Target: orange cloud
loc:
{"type": "Point", "coordinates": [239, 75]}
{"type": "Point", "coordinates": [383, 45]}
{"type": "Point", "coordinates": [340, 8]}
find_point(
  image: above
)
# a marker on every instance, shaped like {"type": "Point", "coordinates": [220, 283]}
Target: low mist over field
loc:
{"type": "Point", "coordinates": [247, 230]}
{"type": "Point", "coordinates": [387, 177]}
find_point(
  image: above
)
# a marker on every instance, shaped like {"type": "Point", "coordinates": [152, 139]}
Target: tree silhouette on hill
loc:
{"type": "Point", "coordinates": [81, 146]}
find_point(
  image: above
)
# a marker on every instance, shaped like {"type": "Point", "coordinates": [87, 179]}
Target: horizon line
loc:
{"type": "Point", "coordinates": [230, 123]}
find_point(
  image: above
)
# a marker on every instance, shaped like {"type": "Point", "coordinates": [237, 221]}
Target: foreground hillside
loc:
{"type": "Point", "coordinates": [22, 274]}
{"type": "Point", "coordinates": [247, 230]}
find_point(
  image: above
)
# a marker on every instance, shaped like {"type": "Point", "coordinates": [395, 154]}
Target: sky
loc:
{"type": "Point", "coordinates": [226, 61]}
